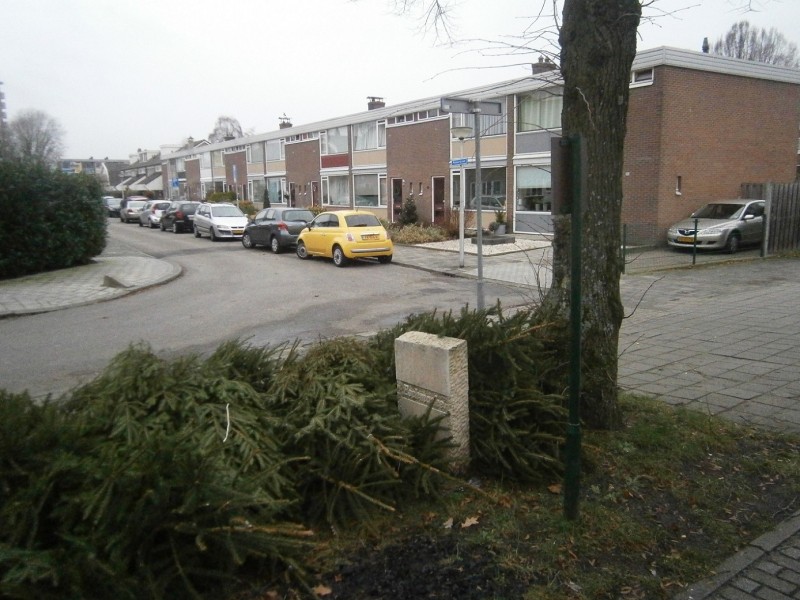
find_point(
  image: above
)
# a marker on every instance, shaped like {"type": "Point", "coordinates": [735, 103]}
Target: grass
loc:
{"type": "Point", "coordinates": [663, 502]}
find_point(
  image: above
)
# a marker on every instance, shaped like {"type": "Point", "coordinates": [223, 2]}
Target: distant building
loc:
{"type": "Point", "coordinates": [108, 171]}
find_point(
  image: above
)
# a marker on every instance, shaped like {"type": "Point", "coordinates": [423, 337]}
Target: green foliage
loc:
{"type": "Point", "coordinates": [515, 428]}
{"type": "Point", "coordinates": [408, 214]}
{"type": "Point", "coordinates": [418, 234]}
{"type": "Point", "coordinates": [168, 479]}
{"type": "Point", "coordinates": [50, 220]}
{"type": "Point", "coordinates": [247, 207]}
{"type": "Point", "coordinates": [229, 196]}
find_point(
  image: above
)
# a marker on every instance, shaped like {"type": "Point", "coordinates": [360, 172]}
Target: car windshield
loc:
{"type": "Point", "coordinates": [298, 215]}
{"type": "Point", "coordinates": [365, 220]}
{"type": "Point", "coordinates": [189, 209]}
{"type": "Point", "coordinates": [719, 211]}
{"type": "Point", "coordinates": [162, 206]}
{"type": "Point", "coordinates": [226, 211]}
{"type": "Point", "coordinates": [136, 204]}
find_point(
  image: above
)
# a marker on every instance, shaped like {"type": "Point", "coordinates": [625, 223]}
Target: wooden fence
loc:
{"type": "Point", "coordinates": [782, 215]}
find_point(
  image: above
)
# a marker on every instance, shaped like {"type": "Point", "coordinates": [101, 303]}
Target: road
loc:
{"type": "Point", "coordinates": [225, 292]}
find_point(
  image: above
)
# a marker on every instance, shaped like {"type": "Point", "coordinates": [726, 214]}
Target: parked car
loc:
{"type": "Point", "coordinates": [179, 216]}
{"type": "Point", "coordinates": [277, 228]}
{"type": "Point", "coordinates": [151, 213]}
{"type": "Point", "coordinates": [112, 205]}
{"type": "Point", "coordinates": [723, 225]}
{"type": "Point", "coordinates": [219, 221]}
{"type": "Point", "coordinates": [129, 209]}
{"type": "Point", "coordinates": [345, 235]}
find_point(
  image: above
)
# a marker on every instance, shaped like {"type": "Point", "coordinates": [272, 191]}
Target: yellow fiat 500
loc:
{"type": "Point", "coordinates": [345, 235]}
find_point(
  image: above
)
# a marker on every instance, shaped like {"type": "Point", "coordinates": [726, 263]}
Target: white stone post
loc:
{"type": "Point", "coordinates": [432, 374]}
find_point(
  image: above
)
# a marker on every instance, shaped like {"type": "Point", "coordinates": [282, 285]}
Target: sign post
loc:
{"type": "Point", "coordinates": [475, 108]}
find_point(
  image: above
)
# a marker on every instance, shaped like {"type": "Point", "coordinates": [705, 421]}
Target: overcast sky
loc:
{"type": "Point", "coordinates": [119, 75]}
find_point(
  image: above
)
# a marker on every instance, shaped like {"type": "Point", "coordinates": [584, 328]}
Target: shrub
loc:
{"type": "Point", "coordinates": [418, 234]}
{"type": "Point", "coordinates": [408, 214]}
{"type": "Point", "coordinates": [229, 196]}
{"type": "Point", "coordinates": [59, 220]}
{"type": "Point", "coordinates": [247, 207]}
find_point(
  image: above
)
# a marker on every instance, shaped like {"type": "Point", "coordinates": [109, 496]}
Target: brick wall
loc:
{"type": "Point", "coordinates": [238, 183]}
{"type": "Point", "coordinates": [714, 131]}
{"type": "Point", "coordinates": [417, 153]}
{"type": "Point", "coordinates": [193, 179]}
{"type": "Point", "coordinates": [302, 169]}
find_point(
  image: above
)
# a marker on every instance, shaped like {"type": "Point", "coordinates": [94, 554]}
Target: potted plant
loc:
{"type": "Point", "coordinates": [498, 227]}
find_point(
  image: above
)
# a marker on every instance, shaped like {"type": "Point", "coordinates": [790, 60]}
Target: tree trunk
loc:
{"type": "Point", "coordinates": [598, 45]}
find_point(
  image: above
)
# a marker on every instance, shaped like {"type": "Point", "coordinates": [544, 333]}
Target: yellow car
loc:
{"type": "Point", "coordinates": [344, 235]}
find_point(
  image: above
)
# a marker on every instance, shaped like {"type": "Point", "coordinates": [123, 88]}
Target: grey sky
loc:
{"type": "Point", "coordinates": [122, 74]}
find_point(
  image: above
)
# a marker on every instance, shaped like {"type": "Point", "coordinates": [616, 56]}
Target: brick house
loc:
{"type": "Point", "coordinates": [699, 125]}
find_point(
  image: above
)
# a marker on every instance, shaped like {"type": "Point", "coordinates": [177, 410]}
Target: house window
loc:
{"type": "Point", "coordinates": [276, 150]}
{"type": "Point", "coordinates": [216, 159]}
{"type": "Point", "coordinates": [642, 77]}
{"type": "Point", "coordinates": [205, 160]}
{"type": "Point", "coordinates": [255, 153]}
{"type": "Point", "coordinates": [369, 190]}
{"type": "Point", "coordinates": [534, 189]}
{"type": "Point", "coordinates": [336, 190]}
{"type": "Point", "coordinates": [489, 124]}
{"type": "Point", "coordinates": [276, 188]}
{"type": "Point", "coordinates": [540, 110]}
{"type": "Point", "coordinates": [334, 141]}
{"type": "Point", "coordinates": [369, 136]}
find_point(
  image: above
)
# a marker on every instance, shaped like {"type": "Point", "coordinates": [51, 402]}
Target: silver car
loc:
{"type": "Point", "coordinates": [151, 213]}
{"type": "Point", "coordinates": [722, 225]}
{"type": "Point", "coordinates": [219, 221]}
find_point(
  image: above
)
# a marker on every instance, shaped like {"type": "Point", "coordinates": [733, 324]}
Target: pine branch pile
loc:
{"type": "Point", "coordinates": [175, 478]}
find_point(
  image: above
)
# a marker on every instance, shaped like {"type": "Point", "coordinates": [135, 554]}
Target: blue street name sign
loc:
{"type": "Point", "coordinates": [459, 161]}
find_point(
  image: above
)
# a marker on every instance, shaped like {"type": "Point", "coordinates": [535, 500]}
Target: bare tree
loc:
{"type": "Point", "coordinates": [34, 136]}
{"type": "Point", "coordinates": [226, 128]}
{"type": "Point", "coordinates": [597, 40]}
{"type": "Point", "coordinates": [761, 45]}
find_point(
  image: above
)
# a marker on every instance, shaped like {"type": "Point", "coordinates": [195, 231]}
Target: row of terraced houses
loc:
{"type": "Point", "coordinates": [699, 126]}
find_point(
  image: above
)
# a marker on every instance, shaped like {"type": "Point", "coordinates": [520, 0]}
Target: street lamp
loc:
{"type": "Point", "coordinates": [461, 133]}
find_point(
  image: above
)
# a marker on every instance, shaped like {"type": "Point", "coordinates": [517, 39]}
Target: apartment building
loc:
{"type": "Point", "coordinates": [699, 126]}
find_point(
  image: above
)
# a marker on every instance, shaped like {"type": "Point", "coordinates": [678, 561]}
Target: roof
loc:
{"type": "Point", "coordinates": [661, 56]}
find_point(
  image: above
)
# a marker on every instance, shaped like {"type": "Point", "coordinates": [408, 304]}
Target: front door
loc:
{"type": "Point", "coordinates": [438, 201]}
{"type": "Point", "coordinates": [397, 199]}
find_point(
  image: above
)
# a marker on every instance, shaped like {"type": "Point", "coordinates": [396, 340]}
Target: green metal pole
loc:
{"type": "Point", "coordinates": [572, 450]}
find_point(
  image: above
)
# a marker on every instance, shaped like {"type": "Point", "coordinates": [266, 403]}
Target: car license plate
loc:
{"type": "Point", "coordinates": [685, 239]}
{"type": "Point", "coordinates": [370, 236]}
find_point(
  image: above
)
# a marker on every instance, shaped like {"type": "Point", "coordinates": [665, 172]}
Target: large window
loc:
{"type": "Point", "coordinates": [256, 153]}
{"type": "Point", "coordinates": [216, 159]}
{"type": "Point", "coordinates": [369, 136]}
{"type": "Point", "coordinates": [334, 141]}
{"type": "Point", "coordinates": [370, 190]}
{"type": "Point", "coordinates": [534, 189]}
{"type": "Point", "coordinates": [336, 190]}
{"type": "Point", "coordinates": [540, 110]}
{"type": "Point", "coordinates": [276, 150]}
{"type": "Point", "coordinates": [276, 188]}
{"type": "Point", "coordinates": [490, 124]}
{"type": "Point", "coordinates": [205, 160]}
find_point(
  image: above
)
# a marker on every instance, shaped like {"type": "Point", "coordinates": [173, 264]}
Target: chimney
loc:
{"type": "Point", "coordinates": [705, 45]}
{"type": "Point", "coordinates": [544, 64]}
{"type": "Point", "coordinates": [374, 102]}
{"type": "Point", "coordinates": [284, 122]}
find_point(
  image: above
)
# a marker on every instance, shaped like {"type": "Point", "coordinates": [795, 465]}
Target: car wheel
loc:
{"type": "Point", "coordinates": [196, 232]}
{"type": "Point", "coordinates": [385, 260]}
{"type": "Point", "coordinates": [732, 245]}
{"type": "Point", "coordinates": [247, 241]}
{"type": "Point", "coordinates": [339, 259]}
{"type": "Point", "coordinates": [274, 245]}
{"type": "Point", "coordinates": [211, 234]}
{"type": "Point", "coordinates": [302, 251]}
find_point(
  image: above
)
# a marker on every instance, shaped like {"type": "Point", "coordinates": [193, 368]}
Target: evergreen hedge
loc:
{"type": "Point", "coordinates": [50, 220]}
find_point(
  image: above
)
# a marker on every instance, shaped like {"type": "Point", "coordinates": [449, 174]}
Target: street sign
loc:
{"type": "Point", "coordinates": [459, 161]}
{"type": "Point", "coordinates": [460, 105]}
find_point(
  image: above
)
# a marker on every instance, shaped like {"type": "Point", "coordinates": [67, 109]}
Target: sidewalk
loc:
{"type": "Point", "coordinates": [722, 340]}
